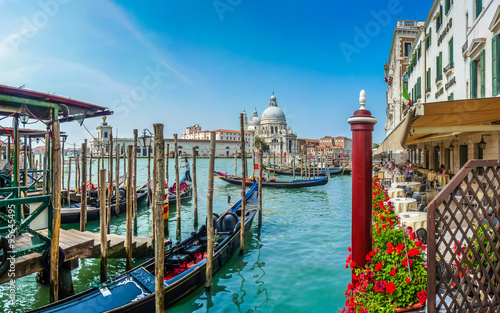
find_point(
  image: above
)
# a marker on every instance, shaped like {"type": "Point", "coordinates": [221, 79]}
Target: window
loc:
{"type": "Point", "coordinates": [428, 40]}
{"type": "Point", "coordinates": [439, 67]}
{"type": "Point", "coordinates": [407, 48]}
{"type": "Point", "coordinates": [473, 79]}
{"type": "Point", "coordinates": [439, 19]}
{"type": "Point", "coordinates": [105, 134]}
{"type": "Point", "coordinates": [447, 6]}
{"type": "Point", "coordinates": [495, 66]}
{"type": "Point", "coordinates": [450, 55]}
{"type": "Point", "coordinates": [428, 81]}
{"type": "Point", "coordinates": [479, 7]}
{"type": "Point", "coordinates": [451, 97]}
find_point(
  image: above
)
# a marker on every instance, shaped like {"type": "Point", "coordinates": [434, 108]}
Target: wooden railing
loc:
{"type": "Point", "coordinates": [463, 246]}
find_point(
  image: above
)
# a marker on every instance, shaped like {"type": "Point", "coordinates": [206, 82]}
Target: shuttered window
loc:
{"type": "Point", "coordinates": [479, 7]}
{"type": "Point", "coordinates": [483, 80]}
{"type": "Point", "coordinates": [447, 5]}
{"type": "Point", "coordinates": [495, 65]}
{"type": "Point", "coordinates": [428, 82]}
{"type": "Point", "coordinates": [439, 67]}
{"type": "Point", "coordinates": [450, 48]}
{"type": "Point", "coordinates": [473, 79]}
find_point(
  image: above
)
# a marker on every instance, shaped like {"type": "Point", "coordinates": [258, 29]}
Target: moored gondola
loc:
{"type": "Point", "coordinates": [275, 184]}
{"type": "Point", "coordinates": [319, 172]}
{"type": "Point", "coordinates": [185, 265]}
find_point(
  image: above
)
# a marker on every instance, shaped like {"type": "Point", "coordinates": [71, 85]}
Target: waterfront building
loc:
{"type": "Point", "coordinates": [227, 142]}
{"type": "Point", "coordinates": [272, 128]}
{"type": "Point", "coordinates": [307, 145]}
{"type": "Point", "coordinates": [403, 39]}
{"type": "Point", "coordinates": [453, 84]}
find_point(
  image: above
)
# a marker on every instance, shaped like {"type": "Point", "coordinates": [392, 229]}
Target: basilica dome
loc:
{"type": "Point", "coordinates": [273, 112]}
{"type": "Point", "coordinates": [255, 119]}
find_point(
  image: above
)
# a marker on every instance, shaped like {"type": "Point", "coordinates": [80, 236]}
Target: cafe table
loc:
{"type": "Point", "coordinates": [395, 192]}
{"type": "Point", "coordinates": [415, 220]}
{"type": "Point", "coordinates": [403, 204]}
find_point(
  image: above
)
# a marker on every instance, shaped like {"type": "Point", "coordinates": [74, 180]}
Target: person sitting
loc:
{"type": "Point", "coordinates": [397, 170]}
{"type": "Point", "coordinates": [442, 169]}
{"type": "Point", "coordinates": [9, 166]}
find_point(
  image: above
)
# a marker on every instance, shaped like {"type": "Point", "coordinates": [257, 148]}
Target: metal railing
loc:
{"type": "Point", "coordinates": [463, 241]}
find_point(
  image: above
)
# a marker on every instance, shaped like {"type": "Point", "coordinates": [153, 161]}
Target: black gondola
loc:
{"type": "Point", "coordinates": [184, 270]}
{"type": "Point", "coordinates": [275, 184]}
{"type": "Point", "coordinates": [319, 172]}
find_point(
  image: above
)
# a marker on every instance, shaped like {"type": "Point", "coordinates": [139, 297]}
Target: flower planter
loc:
{"type": "Point", "coordinates": [411, 307]}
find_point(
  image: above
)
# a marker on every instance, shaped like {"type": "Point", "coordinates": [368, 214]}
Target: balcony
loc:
{"type": "Point", "coordinates": [449, 69]}
{"type": "Point", "coordinates": [439, 80]}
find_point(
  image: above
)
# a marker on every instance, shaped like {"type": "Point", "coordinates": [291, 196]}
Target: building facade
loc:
{"type": "Point", "coordinates": [453, 82]}
{"type": "Point", "coordinates": [227, 142]}
{"type": "Point", "coordinates": [403, 39]}
{"type": "Point", "coordinates": [272, 128]}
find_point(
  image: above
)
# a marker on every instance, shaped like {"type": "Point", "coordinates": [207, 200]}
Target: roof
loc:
{"type": "Point", "coordinates": [231, 131]}
{"type": "Point", "coordinates": [40, 105]}
{"type": "Point", "coordinates": [23, 132]}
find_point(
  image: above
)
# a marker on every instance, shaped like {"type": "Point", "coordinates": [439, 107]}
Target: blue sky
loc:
{"type": "Point", "coordinates": [186, 62]}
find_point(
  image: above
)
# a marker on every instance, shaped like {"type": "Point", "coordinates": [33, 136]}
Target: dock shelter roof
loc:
{"type": "Point", "coordinates": [40, 104]}
{"type": "Point", "coordinates": [444, 120]}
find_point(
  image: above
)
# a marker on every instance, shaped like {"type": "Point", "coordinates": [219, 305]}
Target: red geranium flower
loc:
{"type": "Point", "coordinates": [392, 272]}
{"type": "Point", "coordinates": [390, 288]}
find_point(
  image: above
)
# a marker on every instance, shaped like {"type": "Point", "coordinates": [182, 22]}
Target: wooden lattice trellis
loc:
{"type": "Point", "coordinates": [463, 246]}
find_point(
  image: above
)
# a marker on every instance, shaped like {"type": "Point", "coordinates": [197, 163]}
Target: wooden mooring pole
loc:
{"type": "Point", "coordinates": [77, 172]}
{"type": "Point", "coordinates": [177, 189]}
{"type": "Point", "coordinates": [243, 183]}
{"type": "Point", "coordinates": [134, 182]}
{"type": "Point", "coordinates": [167, 156]}
{"type": "Point", "coordinates": [195, 191]}
{"type": "Point", "coordinates": [159, 233]}
{"type": "Point", "coordinates": [68, 196]}
{"type": "Point", "coordinates": [261, 165]}
{"type": "Point", "coordinates": [90, 168]}
{"type": "Point", "coordinates": [56, 218]}
{"type": "Point", "coordinates": [110, 184]}
{"type": "Point", "coordinates": [210, 214]}
{"type": "Point", "coordinates": [128, 239]}
{"type": "Point", "coordinates": [98, 170]}
{"type": "Point", "coordinates": [103, 226]}
{"type": "Point", "coordinates": [117, 180]}
{"type": "Point", "coordinates": [150, 195]}
{"type": "Point", "coordinates": [235, 163]}
{"type": "Point", "coordinates": [83, 195]}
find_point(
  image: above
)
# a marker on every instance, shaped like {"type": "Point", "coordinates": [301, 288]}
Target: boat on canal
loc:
{"type": "Point", "coordinates": [185, 266]}
{"type": "Point", "coordinates": [235, 180]}
{"type": "Point", "coordinates": [71, 213]}
{"type": "Point", "coordinates": [319, 172]}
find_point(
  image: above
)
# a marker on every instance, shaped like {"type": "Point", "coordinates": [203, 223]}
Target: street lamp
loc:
{"type": "Point", "coordinates": [24, 116]}
{"type": "Point", "coordinates": [146, 139]}
{"type": "Point", "coordinates": [482, 143]}
{"type": "Point", "coordinates": [451, 147]}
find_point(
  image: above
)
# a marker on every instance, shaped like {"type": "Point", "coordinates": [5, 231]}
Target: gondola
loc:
{"type": "Point", "coordinates": [289, 172]}
{"type": "Point", "coordinates": [71, 213]}
{"type": "Point", "coordinates": [272, 183]}
{"type": "Point", "coordinates": [186, 191]}
{"type": "Point", "coordinates": [185, 265]}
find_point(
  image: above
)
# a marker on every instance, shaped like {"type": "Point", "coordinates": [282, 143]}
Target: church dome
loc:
{"type": "Point", "coordinates": [273, 112]}
{"type": "Point", "coordinates": [255, 119]}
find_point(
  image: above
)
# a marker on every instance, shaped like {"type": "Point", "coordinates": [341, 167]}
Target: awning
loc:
{"type": "Point", "coordinates": [444, 120]}
{"type": "Point", "coordinates": [396, 139]}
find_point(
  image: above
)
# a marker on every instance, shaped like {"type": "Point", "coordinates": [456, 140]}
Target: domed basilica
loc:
{"type": "Point", "coordinates": [271, 127]}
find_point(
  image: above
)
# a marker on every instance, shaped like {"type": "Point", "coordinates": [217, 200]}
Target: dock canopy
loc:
{"type": "Point", "coordinates": [12, 99]}
{"type": "Point", "coordinates": [444, 120]}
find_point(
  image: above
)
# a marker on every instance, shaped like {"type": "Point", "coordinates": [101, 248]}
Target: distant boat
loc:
{"type": "Point", "coordinates": [318, 172]}
{"type": "Point", "coordinates": [275, 184]}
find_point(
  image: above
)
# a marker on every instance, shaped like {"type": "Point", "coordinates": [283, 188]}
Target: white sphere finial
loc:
{"type": "Point", "coordinates": [362, 100]}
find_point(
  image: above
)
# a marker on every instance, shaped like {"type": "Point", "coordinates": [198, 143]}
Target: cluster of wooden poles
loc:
{"type": "Point", "coordinates": [157, 197]}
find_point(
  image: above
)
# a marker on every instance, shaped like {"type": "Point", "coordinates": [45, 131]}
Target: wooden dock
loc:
{"type": "Point", "coordinates": [78, 245]}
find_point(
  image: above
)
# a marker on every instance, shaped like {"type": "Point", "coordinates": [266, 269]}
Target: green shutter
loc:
{"type": "Point", "coordinates": [451, 96]}
{"type": "Point", "coordinates": [441, 64]}
{"type": "Point", "coordinates": [494, 59]}
{"type": "Point", "coordinates": [479, 7]}
{"type": "Point", "coordinates": [473, 79]}
{"type": "Point", "coordinates": [446, 6]}
{"type": "Point", "coordinates": [483, 89]}
{"type": "Point", "coordinates": [451, 52]}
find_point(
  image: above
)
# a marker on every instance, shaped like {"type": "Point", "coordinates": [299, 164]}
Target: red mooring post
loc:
{"type": "Point", "coordinates": [362, 128]}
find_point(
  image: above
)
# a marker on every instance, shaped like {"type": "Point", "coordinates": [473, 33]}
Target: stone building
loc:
{"type": "Point", "coordinates": [272, 128]}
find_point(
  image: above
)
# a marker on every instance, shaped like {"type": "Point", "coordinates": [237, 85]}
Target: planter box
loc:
{"type": "Point", "coordinates": [410, 308]}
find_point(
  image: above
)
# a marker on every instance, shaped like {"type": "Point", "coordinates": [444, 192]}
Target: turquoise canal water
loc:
{"type": "Point", "coordinates": [294, 263]}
